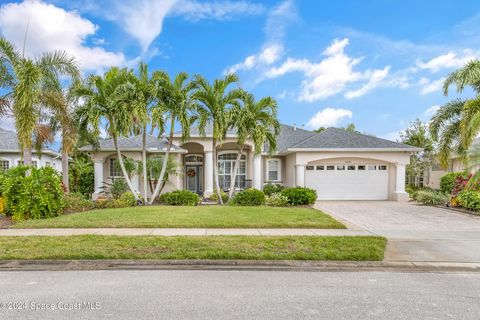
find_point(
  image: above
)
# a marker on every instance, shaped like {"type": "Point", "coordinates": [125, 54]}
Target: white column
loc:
{"type": "Point", "coordinates": [400, 194]}
{"type": "Point", "coordinates": [300, 175]}
{"type": "Point", "coordinates": [208, 173]}
{"type": "Point", "coordinates": [257, 172]}
{"type": "Point", "coordinates": [98, 177]}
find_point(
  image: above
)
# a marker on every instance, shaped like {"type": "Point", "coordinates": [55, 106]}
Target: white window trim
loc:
{"type": "Point", "coordinates": [235, 152]}
{"type": "Point", "coordinates": [109, 167]}
{"type": "Point", "coordinates": [279, 169]}
{"type": "Point", "coordinates": [7, 160]}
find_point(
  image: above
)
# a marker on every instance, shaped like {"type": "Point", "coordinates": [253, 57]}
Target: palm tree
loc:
{"type": "Point", "coordinates": [23, 80]}
{"type": "Point", "coordinates": [142, 96]}
{"type": "Point", "coordinates": [174, 104]}
{"type": "Point", "coordinates": [105, 102]}
{"type": "Point", "coordinates": [214, 103]}
{"type": "Point", "coordinates": [457, 123]}
{"type": "Point", "coordinates": [255, 121]}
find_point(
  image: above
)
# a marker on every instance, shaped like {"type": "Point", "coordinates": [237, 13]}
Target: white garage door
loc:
{"type": "Point", "coordinates": [348, 181]}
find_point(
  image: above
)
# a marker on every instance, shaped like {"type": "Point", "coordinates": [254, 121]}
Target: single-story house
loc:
{"type": "Point", "coordinates": [11, 153]}
{"type": "Point", "coordinates": [340, 165]}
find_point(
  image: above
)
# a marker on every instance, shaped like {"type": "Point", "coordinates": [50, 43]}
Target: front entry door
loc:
{"type": "Point", "coordinates": [194, 178]}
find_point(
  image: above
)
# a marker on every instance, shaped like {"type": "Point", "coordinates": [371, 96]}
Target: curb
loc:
{"type": "Point", "coordinates": [260, 265]}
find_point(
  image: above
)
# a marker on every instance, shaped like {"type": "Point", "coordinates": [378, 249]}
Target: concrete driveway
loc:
{"type": "Point", "coordinates": [415, 232]}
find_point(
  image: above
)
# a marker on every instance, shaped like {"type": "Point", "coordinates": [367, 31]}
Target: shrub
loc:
{"type": "Point", "coordinates": [431, 197]}
{"type": "Point", "coordinates": [224, 196]}
{"type": "Point", "coordinates": [2, 205]}
{"type": "Point", "coordinates": [447, 182]}
{"type": "Point", "coordinates": [75, 201]}
{"type": "Point", "coordinates": [249, 197]}
{"type": "Point", "coordinates": [34, 196]}
{"type": "Point", "coordinates": [127, 199]}
{"type": "Point", "coordinates": [277, 200]}
{"type": "Point", "coordinates": [81, 174]}
{"type": "Point", "coordinates": [469, 199]}
{"type": "Point", "coordinates": [270, 189]}
{"type": "Point", "coordinates": [115, 188]}
{"type": "Point", "coordinates": [300, 196]}
{"type": "Point", "coordinates": [180, 198]}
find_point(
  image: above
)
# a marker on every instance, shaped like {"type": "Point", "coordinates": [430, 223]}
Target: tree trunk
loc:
{"type": "Point", "coordinates": [215, 172]}
{"type": "Point", "coordinates": [65, 177]}
{"type": "Point", "coordinates": [144, 164]}
{"type": "Point", "coordinates": [156, 192]}
{"type": "Point", "coordinates": [124, 171]}
{"type": "Point", "coordinates": [27, 156]}
{"type": "Point", "coordinates": [236, 167]}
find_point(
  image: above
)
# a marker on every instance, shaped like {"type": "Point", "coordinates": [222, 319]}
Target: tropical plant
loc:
{"type": "Point", "coordinates": [271, 188]}
{"type": "Point", "coordinates": [81, 175]}
{"type": "Point", "coordinates": [256, 121]}
{"type": "Point", "coordinates": [469, 199]}
{"type": "Point", "coordinates": [300, 196]}
{"type": "Point", "coordinates": [23, 81]}
{"type": "Point", "coordinates": [174, 104]}
{"type": "Point", "coordinates": [447, 182]}
{"type": "Point", "coordinates": [249, 197]}
{"type": "Point", "coordinates": [180, 198]}
{"type": "Point", "coordinates": [105, 102]}
{"type": "Point", "coordinates": [431, 197]}
{"type": "Point", "coordinates": [115, 188]}
{"type": "Point", "coordinates": [276, 200]}
{"type": "Point", "coordinates": [213, 104]}
{"type": "Point", "coordinates": [154, 167]}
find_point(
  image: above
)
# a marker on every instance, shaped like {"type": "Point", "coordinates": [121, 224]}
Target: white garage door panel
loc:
{"type": "Point", "coordinates": [348, 185]}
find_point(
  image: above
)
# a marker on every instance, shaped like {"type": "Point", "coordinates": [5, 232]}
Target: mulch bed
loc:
{"type": "Point", "coordinates": [5, 222]}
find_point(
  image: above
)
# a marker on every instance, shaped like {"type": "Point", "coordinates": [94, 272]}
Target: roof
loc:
{"type": "Point", "coordinates": [133, 144]}
{"type": "Point", "coordinates": [9, 143]}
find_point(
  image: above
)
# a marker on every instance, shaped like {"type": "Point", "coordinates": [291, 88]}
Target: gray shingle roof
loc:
{"type": "Point", "coordinates": [290, 136]}
{"type": "Point", "coordinates": [133, 143]}
{"type": "Point", "coordinates": [335, 138]}
{"type": "Point", "coordinates": [9, 142]}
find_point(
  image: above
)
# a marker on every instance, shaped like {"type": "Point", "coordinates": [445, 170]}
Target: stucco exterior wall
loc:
{"type": "Point", "coordinates": [42, 161]}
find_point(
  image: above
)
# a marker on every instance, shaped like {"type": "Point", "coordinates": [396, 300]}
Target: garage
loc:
{"type": "Point", "coordinates": [341, 181]}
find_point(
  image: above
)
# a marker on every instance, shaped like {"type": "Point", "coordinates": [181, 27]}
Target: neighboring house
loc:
{"type": "Point", "coordinates": [340, 165]}
{"type": "Point", "coordinates": [11, 153]}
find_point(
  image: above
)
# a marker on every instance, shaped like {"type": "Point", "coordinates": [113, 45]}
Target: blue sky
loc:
{"type": "Point", "coordinates": [376, 63]}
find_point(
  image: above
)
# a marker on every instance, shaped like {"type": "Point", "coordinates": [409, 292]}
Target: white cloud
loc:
{"type": "Point", "coordinates": [52, 28]}
{"type": "Point", "coordinates": [448, 60]}
{"type": "Point", "coordinates": [331, 75]}
{"type": "Point", "coordinates": [221, 10]}
{"type": "Point", "coordinates": [431, 111]}
{"type": "Point", "coordinates": [431, 86]}
{"type": "Point", "coordinates": [267, 56]}
{"type": "Point", "coordinates": [328, 117]}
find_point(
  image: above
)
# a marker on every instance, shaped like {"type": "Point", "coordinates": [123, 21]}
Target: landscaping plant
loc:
{"type": "Point", "coordinates": [431, 197]}
{"type": "Point", "coordinates": [469, 199]}
{"type": "Point", "coordinates": [298, 196]}
{"type": "Point", "coordinates": [447, 182]}
{"type": "Point", "coordinates": [180, 198]}
{"type": "Point", "coordinates": [276, 200]}
{"type": "Point", "coordinates": [223, 194]}
{"type": "Point", "coordinates": [271, 188]}
{"type": "Point", "coordinates": [249, 197]}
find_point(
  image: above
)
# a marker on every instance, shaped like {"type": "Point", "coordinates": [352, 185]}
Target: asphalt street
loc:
{"type": "Point", "coordinates": [177, 294]}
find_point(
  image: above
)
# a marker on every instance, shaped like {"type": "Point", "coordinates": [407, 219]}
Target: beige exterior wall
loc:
{"type": "Point", "coordinates": [42, 161]}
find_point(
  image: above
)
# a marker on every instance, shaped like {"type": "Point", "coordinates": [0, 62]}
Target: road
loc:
{"type": "Point", "coordinates": [177, 294]}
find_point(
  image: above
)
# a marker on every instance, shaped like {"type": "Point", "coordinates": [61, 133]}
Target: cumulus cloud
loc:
{"type": "Point", "coordinates": [331, 75]}
{"type": "Point", "coordinates": [267, 56]}
{"type": "Point", "coordinates": [430, 86]}
{"type": "Point", "coordinates": [448, 60]}
{"type": "Point", "coordinates": [52, 28]}
{"type": "Point", "coordinates": [328, 117]}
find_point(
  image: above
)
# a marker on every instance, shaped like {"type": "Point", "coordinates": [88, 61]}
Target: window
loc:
{"type": "Point", "coordinates": [193, 158]}
{"type": "Point", "coordinates": [330, 167]}
{"type": "Point", "coordinates": [273, 170]}
{"type": "Point", "coordinates": [115, 171]}
{"type": "Point", "coordinates": [309, 168]}
{"type": "Point", "coordinates": [48, 164]}
{"type": "Point", "coordinates": [361, 167]}
{"type": "Point", "coordinates": [226, 162]}
{"type": "Point", "coordinates": [34, 163]}
{"type": "Point", "coordinates": [320, 167]}
{"type": "Point", "coordinates": [371, 167]}
{"type": "Point", "coordinates": [350, 167]}
{"type": "Point", "coordinates": [4, 165]}
{"type": "Point", "coordinates": [382, 167]}
{"type": "Point", "coordinates": [340, 167]}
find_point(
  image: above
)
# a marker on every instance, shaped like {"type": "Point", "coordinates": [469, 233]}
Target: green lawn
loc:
{"type": "Point", "coordinates": [191, 217]}
{"type": "Point", "coordinates": [205, 247]}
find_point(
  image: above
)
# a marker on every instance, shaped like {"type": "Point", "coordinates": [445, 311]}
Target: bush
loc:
{"type": "Point", "coordinates": [298, 196]}
{"type": "Point", "coordinates": [115, 188]}
{"type": "Point", "coordinates": [2, 205]}
{"type": "Point", "coordinates": [75, 201]}
{"type": "Point", "coordinates": [277, 200]}
{"type": "Point", "coordinates": [270, 189]}
{"type": "Point", "coordinates": [81, 176]}
{"type": "Point", "coordinates": [127, 199]}
{"type": "Point", "coordinates": [180, 198]}
{"type": "Point", "coordinates": [224, 196]}
{"type": "Point", "coordinates": [469, 199]}
{"type": "Point", "coordinates": [447, 182]}
{"type": "Point", "coordinates": [249, 197]}
{"type": "Point", "coordinates": [35, 196]}
{"type": "Point", "coordinates": [430, 197]}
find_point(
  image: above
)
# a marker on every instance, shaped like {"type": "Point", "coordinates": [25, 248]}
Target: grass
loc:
{"type": "Point", "coordinates": [190, 217]}
{"type": "Point", "coordinates": [204, 247]}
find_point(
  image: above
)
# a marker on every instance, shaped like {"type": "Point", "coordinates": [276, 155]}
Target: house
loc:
{"type": "Point", "coordinates": [340, 165]}
{"type": "Point", "coordinates": [11, 153]}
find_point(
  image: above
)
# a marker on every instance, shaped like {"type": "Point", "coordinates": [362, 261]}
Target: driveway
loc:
{"type": "Point", "coordinates": [415, 232]}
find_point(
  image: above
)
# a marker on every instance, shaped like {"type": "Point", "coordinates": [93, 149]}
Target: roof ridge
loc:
{"type": "Point", "coordinates": [314, 134]}
{"type": "Point", "coordinates": [368, 136]}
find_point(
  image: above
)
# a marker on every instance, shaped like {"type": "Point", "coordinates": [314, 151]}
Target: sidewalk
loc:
{"type": "Point", "coordinates": [183, 232]}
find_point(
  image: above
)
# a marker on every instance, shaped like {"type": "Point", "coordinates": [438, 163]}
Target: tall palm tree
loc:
{"type": "Point", "coordinates": [256, 121]}
{"type": "Point", "coordinates": [24, 79]}
{"type": "Point", "coordinates": [174, 104]}
{"type": "Point", "coordinates": [105, 102]}
{"type": "Point", "coordinates": [457, 123]}
{"type": "Point", "coordinates": [214, 102]}
{"type": "Point", "coordinates": [142, 96]}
